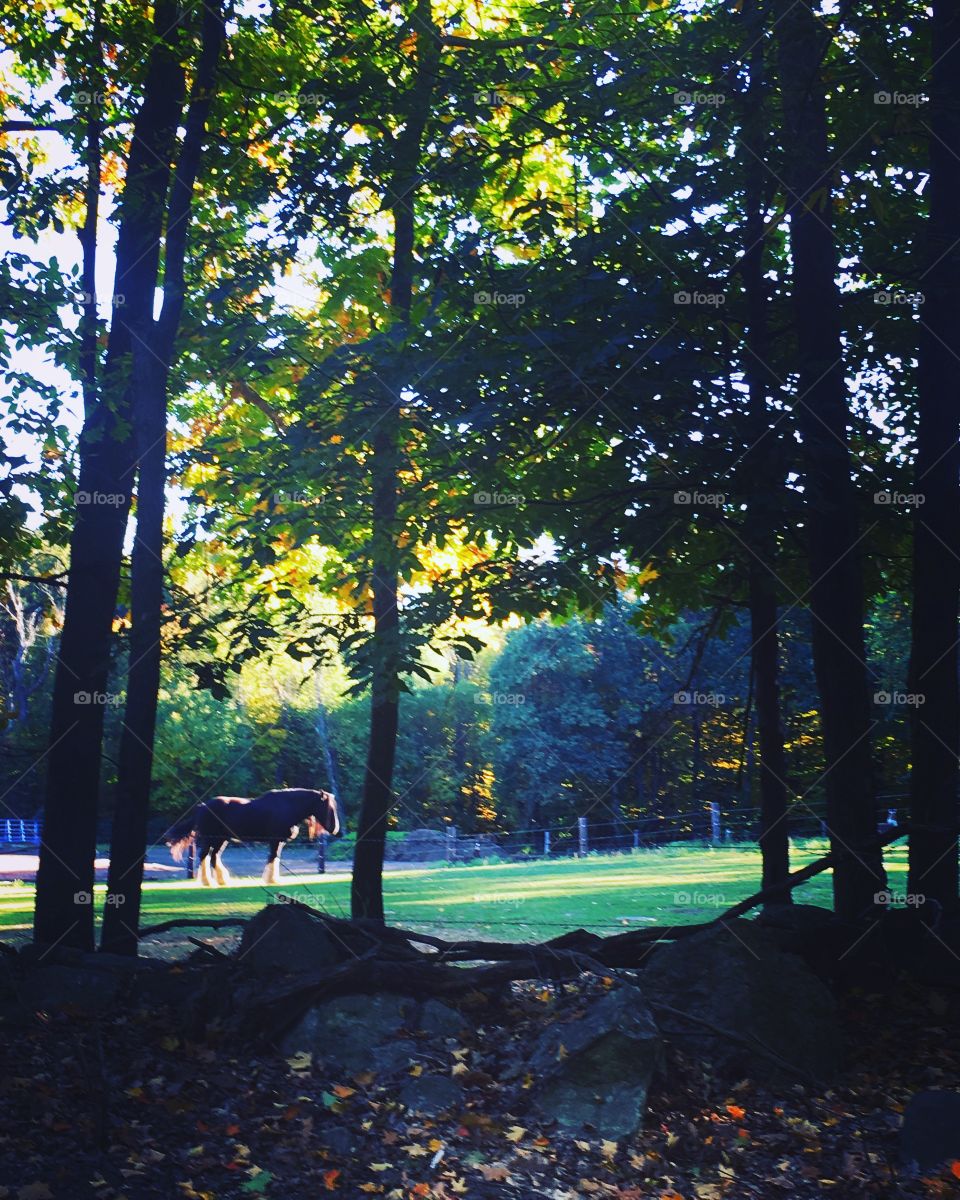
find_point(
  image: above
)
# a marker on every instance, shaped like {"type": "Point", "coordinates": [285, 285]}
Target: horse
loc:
{"type": "Point", "coordinates": [274, 817]}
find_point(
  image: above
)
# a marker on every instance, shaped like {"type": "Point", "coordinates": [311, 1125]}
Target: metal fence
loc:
{"type": "Point", "coordinates": [20, 833]}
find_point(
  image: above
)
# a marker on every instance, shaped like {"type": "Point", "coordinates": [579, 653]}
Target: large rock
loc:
{"type": "Point", "coordinates": [285, 938]}
{"type": "Point", "coordinates": [419, 845]}
{"type": "Point", "coordinates": [736, 977]}
{"type": "Point", "coordinates": [930, 1136]}
{"type": "Point", "coordinates": [64, 988]}
{"type": "Point", "coordinates": [596, 1070]}
{"type": "Point", "coordinates": [372, 1033]}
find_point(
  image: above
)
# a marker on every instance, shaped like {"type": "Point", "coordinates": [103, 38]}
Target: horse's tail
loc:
{"type": "Point", "coordinates": [182, 835]}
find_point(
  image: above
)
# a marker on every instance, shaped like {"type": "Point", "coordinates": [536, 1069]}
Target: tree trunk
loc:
{"type": "Point", "coordinates": [64, 910]}
{"type": "Point", "coordinates": [153, 355]}
{"type": "Point", "coordinates": [366, 893]}
{"type": "Point", "coordinates": [764, 477]}
{"type": "Point", "coordinates": [836, 591]}
{"type": "Point", "coordinates": [936, 545]}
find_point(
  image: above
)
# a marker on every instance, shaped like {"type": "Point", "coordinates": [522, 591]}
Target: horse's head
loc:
{"type": "Point", "coordinates": [326, 819]}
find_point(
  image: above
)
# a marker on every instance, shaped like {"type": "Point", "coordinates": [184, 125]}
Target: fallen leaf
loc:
{"type": "Point", "coordinates": [515, 1133]}
{"type": "Point", "coordinates": [330, 1179]}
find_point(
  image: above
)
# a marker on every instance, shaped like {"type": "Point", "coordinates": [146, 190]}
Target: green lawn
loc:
{"type": "Point", "coordinates": [516, 901]}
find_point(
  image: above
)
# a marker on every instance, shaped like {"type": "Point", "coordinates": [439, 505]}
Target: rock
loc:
{"type": "Point", "coordinates": [285, 938]}
{"type": "Point", "coordinates": [438, 1020]}
{"type": "Point", "coordinates": [431, 1095]}
{"type": "Point", "coordinates": [798, 918]}
{"type": "Point", "coordinates": [419, 845]}
{"type": "Point", "coordinates": [357, 1033]}
{"type": "Point", "coordinates": [63, 987]}
{"type": "Point", "coordinates": [596, 1070]}
{"type": "Point", "coordinates": [737, 977]}
{"type": "Point", "coordinates": [930, 1135]}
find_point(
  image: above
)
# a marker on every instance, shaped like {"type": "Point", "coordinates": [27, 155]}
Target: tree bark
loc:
{"type": "Point", "coordinates": [153, 355]}
{"type": "Point", "coordinates": [764, 477]}
{"type": "Point", "coordinates": [366, 893]}
{"type": "Point", "coordinates": [936, 546]}
{"type": "Point", "coordinates": [64, 911]}
{"type": "Point", "coordinates": [836, 590]}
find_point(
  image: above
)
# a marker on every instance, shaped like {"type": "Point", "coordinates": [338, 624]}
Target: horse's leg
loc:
{"type": "Point", "coordinates": [203, 874]}
{"type": "Point", "coordinates": [276, 863]}
{"type": "Point", "coordinates": [223, 875]}
{"type": "Point", "coordinates": [271, 872]}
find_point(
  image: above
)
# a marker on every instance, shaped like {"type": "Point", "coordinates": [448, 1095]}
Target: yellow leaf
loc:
{"type": "Point", "coordinates": [515, 1133]}
{"type": "Point", "coordinates": [301, 1061]}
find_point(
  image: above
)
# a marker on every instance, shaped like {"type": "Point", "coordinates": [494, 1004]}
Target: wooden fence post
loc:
{"type": "Point", "coordinates": [322, 854]}
{"type": "Point", "coordinates": [546, 843]}
{"type": "Point", "coordinates": [451, 843]}
{"type": "Point", "coordinates": [582, 836]}
{"type": "Point", "coordinates": [715, 821]}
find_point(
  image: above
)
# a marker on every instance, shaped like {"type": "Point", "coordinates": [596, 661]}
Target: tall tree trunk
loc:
{"type": "Point", "coordinates": [836, 591]}
{"type": "Point", "coordinates": [764, 477]}
{"type": "Point", "coordinates": [329, 758]}
{"type": "Point", "coordinates": [64, 910]}
{"type": "Point", "coordinates": [936, 546]}
{"type": "Point", "coordinates": [366, 893]}
{"type": "Point", "coordinates": [153, 356]}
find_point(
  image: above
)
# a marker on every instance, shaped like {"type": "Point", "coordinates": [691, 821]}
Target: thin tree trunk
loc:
{"type": "Point", "coordinates": [153, 357]}
{"type": "Point", "coordinates": [366, 894]}
{"type": "Point", "coordinates": [329, 758]}
{"type": "Point", "coordinates": [836, 591]}
{"type": "Point", "coordinates": [936, 546]}
{"type": "Point", "coordinates": [761, 469]}
{"type": "Point", "coordinates": [64, 912]}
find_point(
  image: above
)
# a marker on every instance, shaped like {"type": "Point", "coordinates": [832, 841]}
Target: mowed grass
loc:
{"type": "Point", "coordinates": [508, 902]}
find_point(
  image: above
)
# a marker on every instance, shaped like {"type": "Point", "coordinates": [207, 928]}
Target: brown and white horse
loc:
{"type": "Point", "coordinates": [275, 817]}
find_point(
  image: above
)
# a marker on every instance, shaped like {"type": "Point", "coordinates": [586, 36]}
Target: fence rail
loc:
{"type": "Point", "coordinates": [14, 832]}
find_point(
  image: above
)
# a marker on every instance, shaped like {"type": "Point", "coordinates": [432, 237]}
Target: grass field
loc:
{"type": "Point", "coordinates": [510, 902]}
